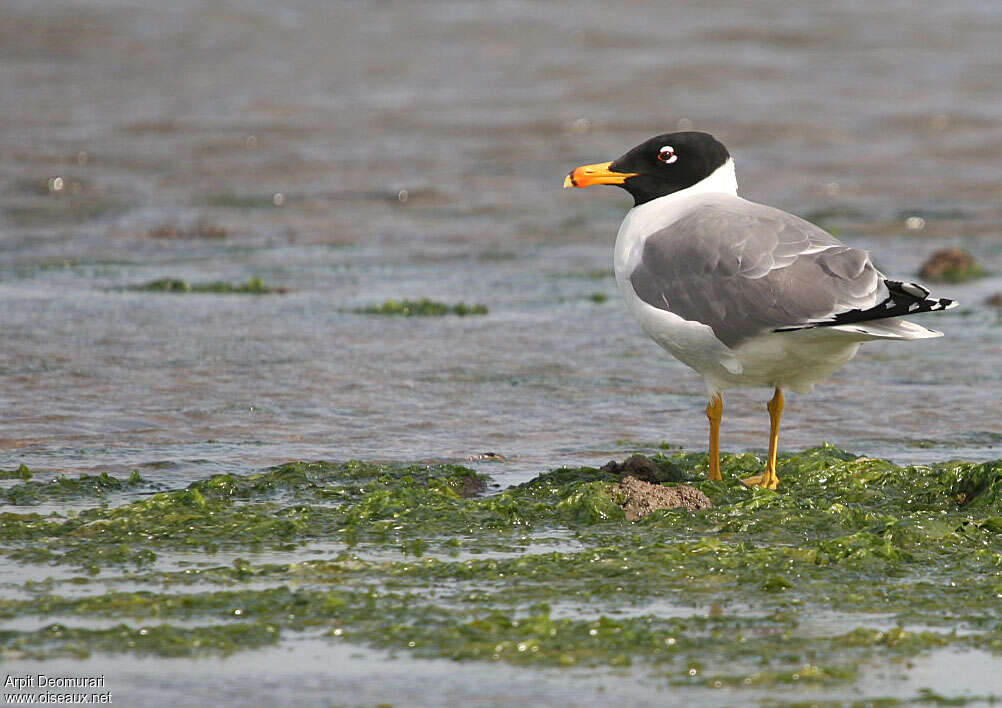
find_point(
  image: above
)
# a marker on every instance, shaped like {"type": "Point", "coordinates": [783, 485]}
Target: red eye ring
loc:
{"type": "Point", "coordinates": [667, 154]}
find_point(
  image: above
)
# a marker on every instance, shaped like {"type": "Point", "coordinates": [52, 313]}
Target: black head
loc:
{"type": "Point", "coordinates": [664, 164]}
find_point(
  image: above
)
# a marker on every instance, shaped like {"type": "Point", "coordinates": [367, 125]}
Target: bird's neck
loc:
{"type": "Point", "coordinates": [658, 213]}
{"type": "Point", "coordinates": [722, 180]}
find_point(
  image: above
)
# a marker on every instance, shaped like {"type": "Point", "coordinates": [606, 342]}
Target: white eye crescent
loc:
{"type": "Point", "coordinates": [667, 154]}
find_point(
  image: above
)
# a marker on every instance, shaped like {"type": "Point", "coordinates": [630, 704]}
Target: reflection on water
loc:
{"type": "Point", "coordinates": [354, 152]}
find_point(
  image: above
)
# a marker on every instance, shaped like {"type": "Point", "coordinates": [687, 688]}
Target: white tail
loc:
{"type": "Point", "coordinates": [889, 328]}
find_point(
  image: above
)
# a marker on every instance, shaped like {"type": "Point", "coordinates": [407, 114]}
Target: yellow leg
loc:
{"type": "Point", "coordinates": [769, 479]}
{"type": "Point", "coordinates": [714, 411]}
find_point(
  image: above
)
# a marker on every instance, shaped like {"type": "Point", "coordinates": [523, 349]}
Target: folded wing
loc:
{"type": "Point", "coordinates": [746, 269]}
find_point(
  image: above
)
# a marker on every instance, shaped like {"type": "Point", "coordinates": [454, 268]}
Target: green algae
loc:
{"type": "Point", "coordinates": [61, 487]}
{"type": "Point", "coordinates": [22, 472]}
{"type": "Point", "coordinates": [549, 573]}
{"type": "Point", "coordinates": [421, 308]}
{"type": "Point", "coordinates": [596, 274]}
{"type": "Point", "coordinates": [160, 640]}
{"type": "Point", "coordinates": [254, 286]}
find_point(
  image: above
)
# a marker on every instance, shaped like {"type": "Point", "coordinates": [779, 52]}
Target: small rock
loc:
{"type": "Point", "coordinates": [472, 487]}
{"type": "Point", "coordinates": [642, 498]}
{"type": "Point", "coordinates": [951, 265]}
{"type": "Point", "coordinates": [995, 300]}
{"type": "Point", "coordinates": [646, 469]}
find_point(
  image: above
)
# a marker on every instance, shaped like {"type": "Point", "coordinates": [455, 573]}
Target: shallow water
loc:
{"type": "Point", "coordinates": [419, 149]}
{"type": "Point", "coordinates": [360, 681]}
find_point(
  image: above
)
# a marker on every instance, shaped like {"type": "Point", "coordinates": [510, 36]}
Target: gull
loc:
{"type": "Point", "coordinates": [743, 293]}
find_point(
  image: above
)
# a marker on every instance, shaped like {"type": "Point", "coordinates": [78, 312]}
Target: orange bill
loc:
{"type": "Point", "coordinates": [587, 175]}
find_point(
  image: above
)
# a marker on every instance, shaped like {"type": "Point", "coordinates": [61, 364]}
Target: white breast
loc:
{"type": "Point", "coordinates": [690, 342]}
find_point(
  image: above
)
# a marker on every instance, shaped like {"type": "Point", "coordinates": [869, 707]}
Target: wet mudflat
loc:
{"type": "Point", "coordinates": [214, 220]}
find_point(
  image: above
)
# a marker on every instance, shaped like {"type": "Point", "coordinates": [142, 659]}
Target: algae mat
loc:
{"type": "Point", "coordinates": [766, 597]}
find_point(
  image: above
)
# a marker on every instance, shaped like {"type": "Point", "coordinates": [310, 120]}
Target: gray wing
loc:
{"type": "Point", "coordinates": [745, 269]}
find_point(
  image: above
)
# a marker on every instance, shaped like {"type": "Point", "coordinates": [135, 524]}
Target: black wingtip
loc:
{"type": "Point", "coordinates": [903, 299]}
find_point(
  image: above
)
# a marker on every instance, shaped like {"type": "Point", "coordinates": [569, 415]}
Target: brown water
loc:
{"type": "Point", "coordinates": [418, 150]}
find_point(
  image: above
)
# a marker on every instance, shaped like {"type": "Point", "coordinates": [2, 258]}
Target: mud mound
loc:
{"type": "Point", "coordinates": [642, 498]}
